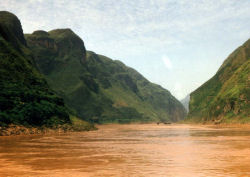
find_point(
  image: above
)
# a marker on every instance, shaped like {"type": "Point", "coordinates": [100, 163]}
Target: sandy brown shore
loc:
{"type": "Point", "coordinates": [14, 130]}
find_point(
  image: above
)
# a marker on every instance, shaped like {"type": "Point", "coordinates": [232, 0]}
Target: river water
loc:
{"type": "Point", "coordinates": [130, 150]}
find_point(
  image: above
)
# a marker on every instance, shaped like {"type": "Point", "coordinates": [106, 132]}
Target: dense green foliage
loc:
{"type": "Point", "coordinates": [225, 97]}
{"type": "Point", "coordinates": [25, 97]}
{"type": "Point", "coordinates": [99, 89]}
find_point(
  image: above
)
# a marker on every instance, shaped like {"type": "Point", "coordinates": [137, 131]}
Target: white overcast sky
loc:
{"type": "Point", "coordinates": [178, 44]}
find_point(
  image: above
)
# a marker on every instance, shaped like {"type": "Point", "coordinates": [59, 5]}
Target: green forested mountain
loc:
{"type": "Point", "coordinates": [25, 97]}
{"type": "Point", "coordinates": [99, 89]}
{"type": "Point", "coordinates": [225, 97]}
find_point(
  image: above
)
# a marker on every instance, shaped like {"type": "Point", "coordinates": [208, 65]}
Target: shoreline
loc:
{"type": "Point", "coordinates": [221, 125]}
{"type": "Point", "coordinates": [19, 130]}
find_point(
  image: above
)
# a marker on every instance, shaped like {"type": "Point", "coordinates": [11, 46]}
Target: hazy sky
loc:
{"type": "Point", "coordinates": [178, 44]}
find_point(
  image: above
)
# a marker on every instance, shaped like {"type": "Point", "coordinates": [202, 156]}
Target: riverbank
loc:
{"type": "Point", "coordinates": [221, 125]}
{"type": "Point", "coordinates": [76, 126]}
{"type": "Point", "coordinates": [14, 130]}
{"type": "Point", "coordinates": [245, 126]}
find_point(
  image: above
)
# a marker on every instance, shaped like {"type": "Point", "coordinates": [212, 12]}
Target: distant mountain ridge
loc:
{"type": "Point", "coordinates": [225, 97]}
{"type": "Point", "coordinates": [185, 102]}
{"type": "Point", "coordinates": [99, 89]}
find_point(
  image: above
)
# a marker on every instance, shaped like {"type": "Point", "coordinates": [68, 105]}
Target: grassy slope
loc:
{"type": "Point", "coordinates": [225, 97]}
{"type": "Point", "coordinates": [96, 87]}
{"type": "Point", "coordinates": [25, 97]}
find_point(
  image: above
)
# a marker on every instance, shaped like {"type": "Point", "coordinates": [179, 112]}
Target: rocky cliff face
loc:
{"type": "Point", "coordinates": [55, 48]}
{"type": "Point", "coordinates": [100, 89]}
{"type": "Point", "coordinates": [25, 97]}
{"type": "Point", "coordinates": [225, 97]}
{"type": "Point", "coordinates": [42, 38]}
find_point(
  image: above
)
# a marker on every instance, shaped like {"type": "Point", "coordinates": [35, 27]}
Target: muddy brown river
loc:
{"type": "Point", "coordinates": [130, 150]}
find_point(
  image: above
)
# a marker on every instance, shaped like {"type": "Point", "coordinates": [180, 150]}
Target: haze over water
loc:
{"type": "Point", "coordinates": [130, 150]}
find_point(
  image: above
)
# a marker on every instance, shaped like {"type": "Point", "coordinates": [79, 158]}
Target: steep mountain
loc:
{"type": "Point", "coordinates": [25, 97]}
{"type": "Point", "coordinates": [185, 102]}
{"type": "Point", "coordinates": [99, 89]}
{"type": "Point", "coordinates": [225, 97]}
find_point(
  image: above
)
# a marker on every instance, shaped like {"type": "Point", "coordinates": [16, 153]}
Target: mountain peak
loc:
{"type": "Point", "coordinates": [60, 44]}
{"type": "Point", "coordinates": [11, 29]}
{"type": "Point", "coordinates": [65, 33]}
{"type": "Point", "coordinates": [40, 33]}
{"type": "Point", "coordinates": [67, 42]}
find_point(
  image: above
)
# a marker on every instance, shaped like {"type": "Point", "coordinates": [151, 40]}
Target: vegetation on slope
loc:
{"type": "Point", "coordinates": [127, 88]}
{"type": "Point", "coordinates": [97, 88]}
{"type": "Point", "coordinates": [25, 97]}
{"type": "Point", "coordinates": [225, 97]}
